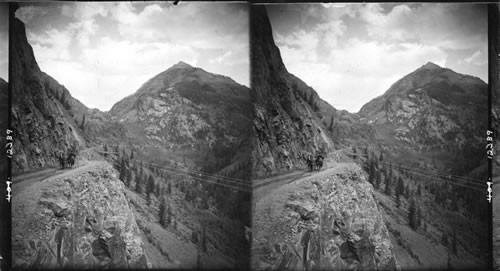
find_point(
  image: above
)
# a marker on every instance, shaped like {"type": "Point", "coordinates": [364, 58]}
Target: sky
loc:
{"type": "Point", "coordinates": [103, 52]}
{"type": "Point", "coordinates": [352, 53]}
{"type": "Point", "coordinates": [4, 41]}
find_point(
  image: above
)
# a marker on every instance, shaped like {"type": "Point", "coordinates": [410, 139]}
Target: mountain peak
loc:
{"type": "Point", "coordinates": [181, 65]}
{"type": "Point", "coordinates": [430, 66]}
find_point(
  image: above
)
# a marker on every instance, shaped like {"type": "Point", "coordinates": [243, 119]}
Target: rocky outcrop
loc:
{"type": "Point", "coordinates": [329, 222]}
{"type": "Point", "coordinates": [287, 113]}
{"type": "Point", "coordinates": [82, 220]}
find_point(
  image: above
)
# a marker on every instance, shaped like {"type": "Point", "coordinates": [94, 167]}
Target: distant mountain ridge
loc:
{"type": "Point", "coordinates": [186, 110]}
{"type": "Point", "coordinates": [432, 110]}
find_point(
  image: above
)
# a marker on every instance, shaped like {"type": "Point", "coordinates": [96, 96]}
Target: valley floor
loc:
{"type": "Point", "coordinates": [169, 248]}
{"type": "Point", "coordinates": [419, 249]}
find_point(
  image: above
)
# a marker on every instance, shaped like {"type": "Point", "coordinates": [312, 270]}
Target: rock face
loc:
{"type": "Point", "coordinates": [329, 222]}
{"type": "Point", "coordinates": [45, 117]}
{"type": "Point", "coordinates": [75, 221]}
{"type": "Point", "coordinates": [287, 113]}
{"type": "Point", "coordinates": [432, 107]}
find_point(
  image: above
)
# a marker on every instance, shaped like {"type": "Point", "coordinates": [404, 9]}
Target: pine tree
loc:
{"type": "Point", "coordinates": [82, 125]}
{"type": "Point", "coordinates": [398, 198]}
{"type": "Point", "coordinates": [444, 240]}
{"type": "Point", "coordinates": [454, 202]}
{"type": "Point", "coordinates": [138, 184]}
{"type": "Point", "coordinates": [418, 217]}
{"type": "Point", "coordinates": [401, 186]}
{"type": "Point", "coordinates": [204, 240]}
{"type": "Point", "coordinates": [157, 190]}
{"type": "Point", "coordinates": [122, 169]}
{"type": "Point", "coordinates": [162, 212]}
{"type": "Point", "coordinates": [169, 215]}
{"type": "Point", "coordinates": [454, 244]}
{"type": "Point", "coordinates": [311, 99]}
{"type": "Point", "coordinates": [129, 178]}
{"type": "Point", "coordinates": [63, 98]}
{"type": "Point", "coordinates": [371, 173]}
{"type": "Point", "coordinates": [388, 184]}
{"type": "Point", "coordinates": [378, 179]}
{"type": "Point", "coordinates": [331, 125]}
{"type": "Point", "coordinates": [150, 185]}
{"type": "Point", "coordinates": [105, 150]}
{"type": "Point", "coordinates": [141, 169]}
{"type": "Point", "coordinates": [412, 214]}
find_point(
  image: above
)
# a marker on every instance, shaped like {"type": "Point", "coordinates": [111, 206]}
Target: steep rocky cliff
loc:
{"type": "Point", "coordinates": [78, 219]}
{"type": "Point", "coordinates": [287, 113]}
{"type": "Point", "coordinates": [328, 221]}
{"type": "Point", "coordinates": [45, 117]}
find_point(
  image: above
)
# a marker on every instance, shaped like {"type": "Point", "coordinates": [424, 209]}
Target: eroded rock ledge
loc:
{"type": "Point", "coordinates": [330, 222]}
{"type": "Point", "coordinates": [77, 220]}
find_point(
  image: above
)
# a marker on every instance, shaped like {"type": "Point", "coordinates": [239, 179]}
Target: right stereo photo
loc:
{"type": "Point", "coordinates": [370, 124]}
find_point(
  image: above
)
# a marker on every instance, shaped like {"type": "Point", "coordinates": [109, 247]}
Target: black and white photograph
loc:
{"type": "Point", "coordinates": [133, 135]}
{"type": "Point", "coordinates": [370, 124]}
{"type": "Point", "coordinates": [244, 135]}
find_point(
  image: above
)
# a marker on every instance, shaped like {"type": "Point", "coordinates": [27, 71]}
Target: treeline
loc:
{"type": "Point", "coordinates": [389, 181]}
{"type": "Point", "coordinates": [158, 181]}
{"type": "Point", "coordinates": [412, 191]}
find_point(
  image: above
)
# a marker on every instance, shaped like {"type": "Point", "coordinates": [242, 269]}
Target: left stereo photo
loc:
{"type": "Point", "coordinates": [133, 124]}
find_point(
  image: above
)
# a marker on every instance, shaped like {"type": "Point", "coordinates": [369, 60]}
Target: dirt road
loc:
{"type": "Point", "coordinates": [23, 181]}
{"type": "Point", "coordinates": [267, 186]}
{"type": "Point", "coordinates": [270, 219]}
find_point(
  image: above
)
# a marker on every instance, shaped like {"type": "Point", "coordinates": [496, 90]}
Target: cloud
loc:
{"type": "Point", "coordinates": [103, 52]}
{"type": "Point", "coordinates": [53, 43]}
{"type": "Point", "coordinates": [85, 11]}
{"type": "Point", "coordinates": [221, 58]}
{"type": "Point", "coordinates": [28, 13]}
{"type": "Point", "coordinates": [4, 41]}
{"type": "Point", "coordinates": [476, 59]}
{"type": "Point", "coordinates": [439, 24]}
{"type": "Point", "coordinates": [355, 57]}
{"type": "Point", "coordinates": [359, 70]}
